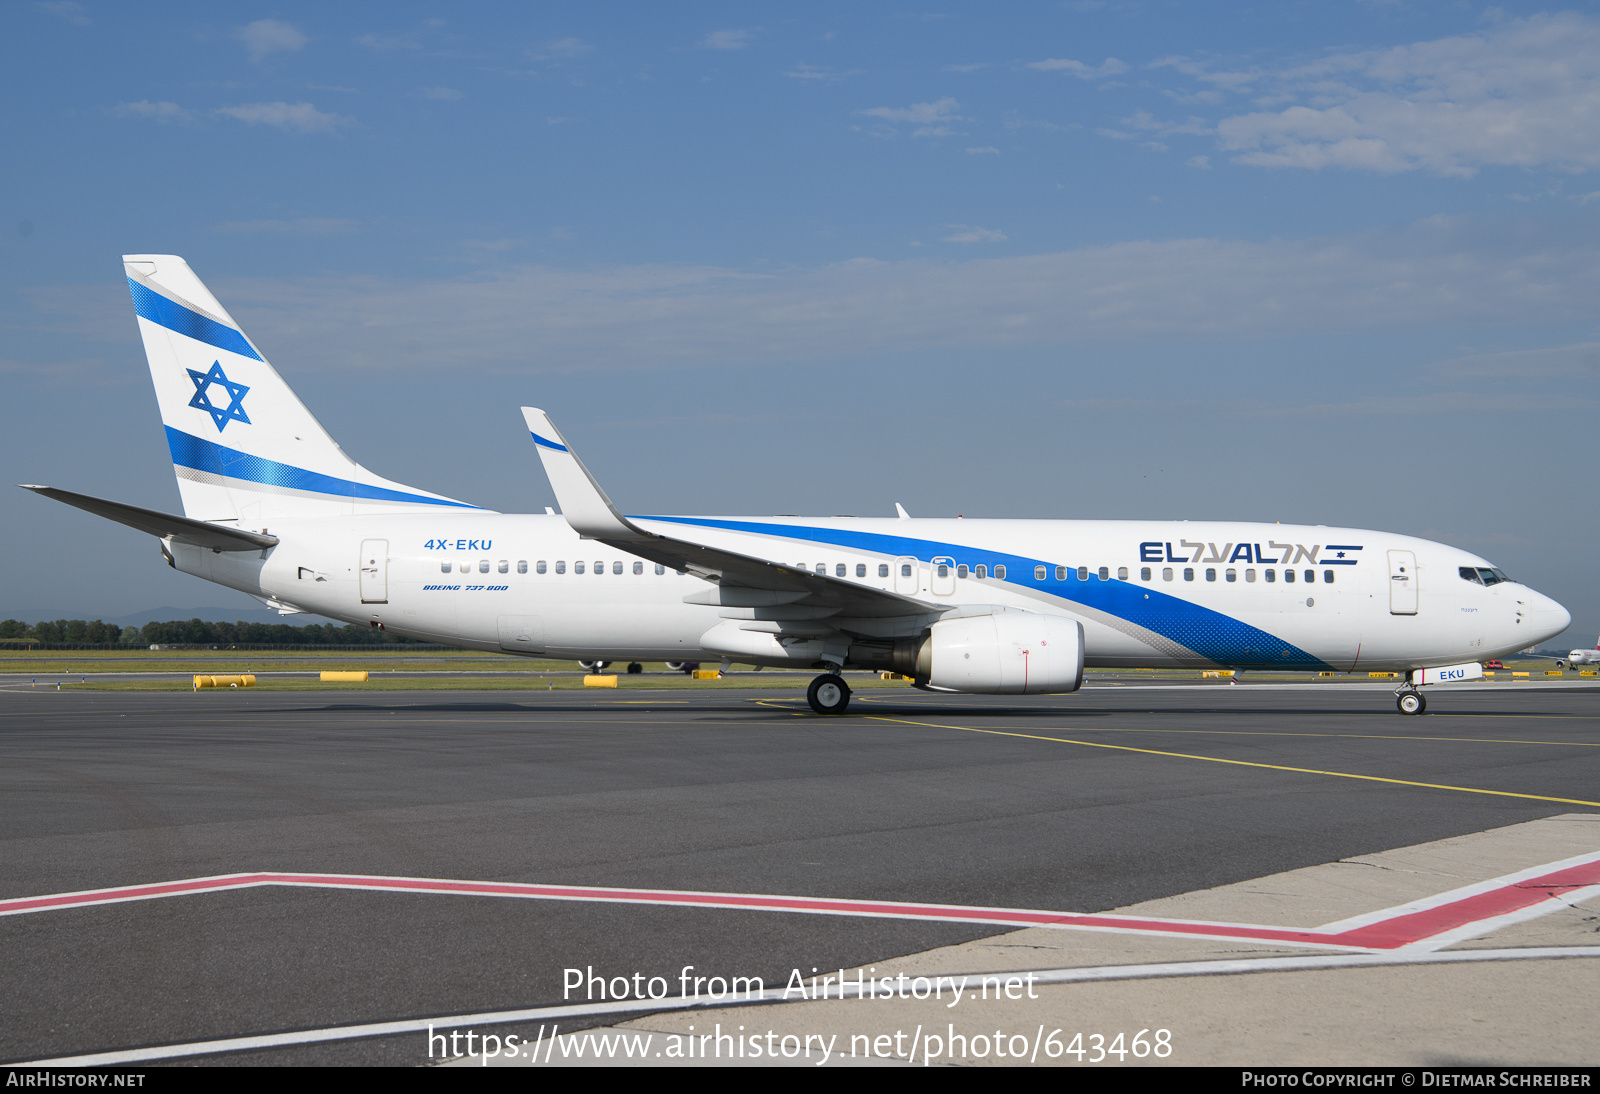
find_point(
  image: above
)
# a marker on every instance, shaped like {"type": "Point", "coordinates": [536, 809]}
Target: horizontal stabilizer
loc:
{"type": "Point", "coordinates": [181, 529]}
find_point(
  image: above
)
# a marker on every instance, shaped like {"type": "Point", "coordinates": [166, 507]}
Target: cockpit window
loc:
{"type": "Point", "coordinates": [1482, 575]}
{"type": "Point", "coordinates": [1470, 573]}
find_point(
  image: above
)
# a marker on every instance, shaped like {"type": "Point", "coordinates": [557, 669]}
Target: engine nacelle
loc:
{"type": "Point", "coordinates": [1008, 653]}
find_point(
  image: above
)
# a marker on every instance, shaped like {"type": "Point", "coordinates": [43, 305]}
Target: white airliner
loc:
{"type": "Point", "coordinates": [274, 508]}
{"type": "Point", "coordinates": [1581, 657]}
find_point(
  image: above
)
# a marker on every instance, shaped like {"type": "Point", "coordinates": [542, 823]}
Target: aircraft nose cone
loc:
{"type": "Point", "coordinates": [1547, 617]}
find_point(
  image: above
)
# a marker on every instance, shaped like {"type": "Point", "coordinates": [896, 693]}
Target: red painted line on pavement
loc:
{"type": "Point", "coordinates": [1392, 932]}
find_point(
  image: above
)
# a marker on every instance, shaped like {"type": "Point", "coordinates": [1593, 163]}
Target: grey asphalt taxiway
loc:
{"type": "Point", "coordinates": [1099, 800]}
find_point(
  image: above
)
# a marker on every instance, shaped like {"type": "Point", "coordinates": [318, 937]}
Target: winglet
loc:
{"type": "Point", "coordinates": [582, 502]}
{"type": "Point", "coordinates": [901, 509]}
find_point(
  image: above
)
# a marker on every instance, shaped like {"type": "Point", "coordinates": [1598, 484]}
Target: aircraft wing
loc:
{"type": "Point", "coordinates": [759, 582]}
{"type": "Point", "coordinates": [218, 537]}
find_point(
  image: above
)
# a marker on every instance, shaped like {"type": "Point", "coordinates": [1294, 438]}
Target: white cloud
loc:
{"type": "Point", "coordinates": [294, 117]}
{"type": "Point", "coordinates": [984, 151]}
{"type": "Point", "coordinates": [266, 36]}
{"type": "Point", "coordinates": [930, 118]}
{"type": "Point", "coordinates": [1576, 362]}
{"type": "Point", "coordinates": [1524, 93]}
{"type": "Point", "coordinates": [1109, 67]}
{"type": "Point", "coordinates": [1201, 162]}
{"type": "Point", "coordinates": [532, 319]}
{"type": "Point", "coordinates": [69, 10]}
{"type": "Point", "coordinates": [442, 94]}
{"type": "Point", "coordinates": [971, 233]}
{"type": "Point", "coordinates": [803, 71]}
{"type": "Point", "coordinates": [563, 49]}
{"type": "Point", "coordinates": [161, 112]}
{"type": "Point", "coordinates": [387, 42]}
{"type": "Point", "coordinates": [726, 39]}
{"type": "Point", "coordinates": [299, 226]}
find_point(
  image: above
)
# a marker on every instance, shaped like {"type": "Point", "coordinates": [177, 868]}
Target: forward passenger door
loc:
{"type": "Point", "coordinates": [1402, 583]}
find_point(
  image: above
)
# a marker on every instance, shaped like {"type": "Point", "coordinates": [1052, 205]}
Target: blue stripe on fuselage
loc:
{"type": "Point", "coordinates": [158, 309]}
{"type": "Point", "coordinates": [203, 455]}
{"type": "Point", "coordinates": [1211, 634]}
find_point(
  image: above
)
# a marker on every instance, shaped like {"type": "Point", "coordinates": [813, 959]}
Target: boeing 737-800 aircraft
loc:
{"type": "Point", "coordinates": [274, 508]}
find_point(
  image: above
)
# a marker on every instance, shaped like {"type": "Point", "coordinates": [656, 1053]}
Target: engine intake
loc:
{"type": "Point", "coordinates": [1007, 653]}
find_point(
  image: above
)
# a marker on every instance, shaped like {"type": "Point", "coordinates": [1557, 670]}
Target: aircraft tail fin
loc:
{"type": "Point", "coordinates": [244, 447]}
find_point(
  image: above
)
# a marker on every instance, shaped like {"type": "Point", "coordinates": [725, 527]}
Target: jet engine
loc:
{"type": "Point", "coordinates": [1007, 653]}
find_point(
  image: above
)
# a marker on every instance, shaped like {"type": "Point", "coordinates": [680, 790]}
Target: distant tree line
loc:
{"type": "Point", "coordinates": [192, 632]}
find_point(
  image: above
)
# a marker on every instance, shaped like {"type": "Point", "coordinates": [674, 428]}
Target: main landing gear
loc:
{"type": "Point", "coordinates": [1410, 701]}
{"type": "Point", "coordinates": [828, 694]}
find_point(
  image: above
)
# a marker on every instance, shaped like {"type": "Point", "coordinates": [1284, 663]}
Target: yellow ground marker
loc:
{"type": "Point", "coordinates": [600, 681]}
{"type": "Point", "coordinates": [1244, 763]}
{"type": "Point", "coordinates": [213, 681]}
{"type": "Point", "coordinates": [348, 676]}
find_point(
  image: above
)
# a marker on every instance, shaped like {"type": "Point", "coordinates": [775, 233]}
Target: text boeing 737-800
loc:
{"type": "Point", "coordinates": [274, 508]}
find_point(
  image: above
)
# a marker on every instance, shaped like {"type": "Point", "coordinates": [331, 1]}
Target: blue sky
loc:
{"type": "Point", "coordinates": [1332, 263]}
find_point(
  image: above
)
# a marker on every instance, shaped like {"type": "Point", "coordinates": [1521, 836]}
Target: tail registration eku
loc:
{"type": "Point", "coordinates": [273, 507]}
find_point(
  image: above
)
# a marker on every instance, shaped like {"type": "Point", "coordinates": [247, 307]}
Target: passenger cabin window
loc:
{"type": "Point", "coordinates": [483, 565]}
{"type": "Point", "coordinates": [1083, 573]}
{"type": "Point", "coordinates": [1038, 573]}
{"type": "Point", "coordinates": [1231, 575]}
{"type": "Point", "coordinates": [1249, 577]}
{"type": "Point", "coordinates": [638, 567]}
{"type": "Point", "coordinates": [577, 567]}
{"type": "Point", "coordinates": [522, 565]}
{"type": "Point", "coordinates": [1144, 573]}
{"type": "Point", "coordinates": [1166, 573]}
{"type": "Point", "coordinates": [1188, 573]}
{"type": "Point", "coordinates": [505, 567]}
{"type": "Point", "coordinates": [1327, 577]}
{"type": "Point", "coordinates": [444, 567]}
{"type": "Point", "coordinates": [539, 566]}
{"type": "Point", "coordinates": [1272, 575]}
{"type": "Point", "coordinates": [1000, 573]}
{"type": "Point", "coordinates": [561, 567]}
{"type": "Point", "coordinates": [981, 571]}
{"type": "Point", "coordinates": [822, 567]}
{"type": "Point", "coordinates": [883, 569]}
{"type": "Point", "coordinates": [840, 570]}
{"type": "Point", "coordinates": [1061, 573]}
{"type": "Point", "coordinates": [905, 569]}
{"type": "Point", "coordinates": [660, 569]}
{"type": "Point", "coordinates": [1122, 573]}
{"type": "Point", "coordinates": [1311, 575]}
{"type": "Point", "coordinates": [1103, 574]}
{"type": "Point", "coordinates": [1211, 573]}
{"type": "Point", "coordinates": [943, 569]}
{"type": "Point", "coordinates": [616, 567]}
{"type": "Point", "coordinates": [961, 570]}
{"type": "Point", "coordinates": [861, 570]}
{"type": "Point", "coordinates": [1288, 575]}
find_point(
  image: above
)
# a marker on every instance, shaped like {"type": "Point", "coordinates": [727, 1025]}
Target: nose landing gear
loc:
{"type": "Point", "coordinates": [828, 694]}
{"type": "Point", "coordinates": [1410, 701]}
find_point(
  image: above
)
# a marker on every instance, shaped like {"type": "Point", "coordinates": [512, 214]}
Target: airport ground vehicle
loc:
{"type": "Point", "coordinates": [273, 507]}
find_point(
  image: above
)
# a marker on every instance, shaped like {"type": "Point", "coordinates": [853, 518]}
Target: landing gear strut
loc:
{"type": "Point", "coordinates": [1410, 702]}
{"type": "Point", "coordinates": [828, 694]}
